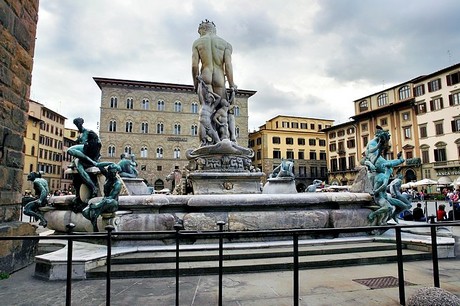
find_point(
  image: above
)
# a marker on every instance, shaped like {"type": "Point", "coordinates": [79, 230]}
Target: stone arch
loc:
{"type": "Point", "coordinates": [159, 184]}
{"type": "Point", "coordinates": [410, 175]}
{"type": "Point", "coordinates": [440, 144]}
{"type": "Point", "coordinates": [301, 187]}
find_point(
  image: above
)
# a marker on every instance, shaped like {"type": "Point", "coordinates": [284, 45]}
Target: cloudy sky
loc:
{"type": "Point", "coordinates": [308, 58]}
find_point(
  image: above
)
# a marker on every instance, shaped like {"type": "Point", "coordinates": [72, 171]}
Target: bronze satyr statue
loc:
{"type": "Point", "coordinates": [86, 154]}
{"type": "Point", "coordinates": [32, 204]}
{"type": "Point", "coordinates": [379, 172]}
{"type": "Point", "coordinates": [112, 188]}
{"type": "Point", "coordinates": [312, 188]}
{"type": "Point", "coordinates": [283, 170]}
{"type": "Point", "coordinates": [128, 166]}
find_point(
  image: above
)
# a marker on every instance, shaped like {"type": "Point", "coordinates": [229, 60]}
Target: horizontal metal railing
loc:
{"type": "Point", "coordinates": [180, 234]}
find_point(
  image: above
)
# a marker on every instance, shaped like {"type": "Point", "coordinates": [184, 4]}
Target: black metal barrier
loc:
{"type": "Point", "coordinates": [180, 234]}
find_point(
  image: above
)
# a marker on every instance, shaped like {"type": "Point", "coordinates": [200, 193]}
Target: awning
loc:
{"type": "Point", "coordinates": [425, 182]}
{"type": "Point", "coordinates": [444, 180]}
{"type": "Point", "coordinates": [408, 185]}
{"type": "Point", "coordinates": [456, 182]}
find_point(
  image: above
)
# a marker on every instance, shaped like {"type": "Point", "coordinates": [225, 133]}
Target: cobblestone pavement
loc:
{"type": "Point", "coordinates": [331, 286]}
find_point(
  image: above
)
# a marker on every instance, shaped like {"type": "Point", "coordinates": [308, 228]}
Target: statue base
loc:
{"type": "Point", "coordinates": [223, 168]}
{"type": "Point", "coordinates": [225, 183]}
{"type": "Point", "coordinates": [281, 185]}
{"type": "Point", "coordinates": [136, 186]}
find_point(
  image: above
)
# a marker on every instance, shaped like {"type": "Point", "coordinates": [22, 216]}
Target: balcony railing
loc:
{"type": "Point", "coordinates": [446, 164]}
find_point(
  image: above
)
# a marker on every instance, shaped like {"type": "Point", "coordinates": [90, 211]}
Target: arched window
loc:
{"type": "Point", "coordinates": [160, 128]}
{"type": "Point", "coordinates": [194, 107]}
{"type": "Point", "coordinates": [194, 130]}
{"type": "Point", "coordinates": [363, 105]}
{"type": "Point", "coordinates": [159, 152]}
{"type": "Point", "coordinates": [177, 129]}
{"type": "Point", "coordinates": [111, 151]}
{"type": "Point", "coordinates": [32, 151]}
{"type": "Point", "coordinates": [236, 111]}
{"type": "Point", "coordinates": [31, 168]}
{"type": "Point", "coordinates": [177, 106]}
{"type": "Point", "coordinates": [382, 99]}
{"type": "Point", "coordinates": [144, 152]}
{"type": "Point", "coordinates": [176, 153]}
{"type": "Point", "coordinates": [144, 127]}
{"type": "Point", "coordinates": [237, 132]}
{"type": "Point", "coordinates": [440, 153]}
{"type": "Point", "coordinates": [404, 92]}
{"type": "Point", "coordinates": [129, 127]}
{"type": "Point", "coordinates": [128, 149]}
{"type": "Point", "coordinates": [159, 184]}
{"type": "Point", "coordinates": [129, 103]}
{"type": "Point", "coordinates": [113, 102]}
{"type": "Point", "coordinates": [145, 104]}
{"type": "Point", "coordinates": [112, 126]}
{"type": "Point", "coordinates": [161, 105]}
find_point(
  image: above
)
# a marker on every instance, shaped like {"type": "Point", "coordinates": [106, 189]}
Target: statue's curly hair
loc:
{"type": "Point", "coordinates": [78, 120]}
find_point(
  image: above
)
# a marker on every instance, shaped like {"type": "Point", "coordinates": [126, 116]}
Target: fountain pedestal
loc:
{"type": "Point", "coordinates": [225, 183]}
{"type": "Point", "coordinates": [280, 185]}
{"type": "Point", "coordinates": [223, 168]}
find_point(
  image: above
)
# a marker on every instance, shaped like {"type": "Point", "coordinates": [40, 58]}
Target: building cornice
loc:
{"type": "Point", "coordinates": [102, 82]}
{"type": "Point", "coordinates": [385, 109]}
{"type": "Point", "coordinates": [340, 125]}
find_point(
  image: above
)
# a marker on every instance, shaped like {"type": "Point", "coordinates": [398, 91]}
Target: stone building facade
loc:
{"type": "Point", "coordinates": [158, 123]}
{"type": "Point", "coordinates": [18, 24]}
{"type": "Point", "coordinates": [437, 105]}
{"type": "Point", "coordinates": [70, 139]}
{"type": "Point", "coordinates": [343, 156]}
{"type": "Point", "coordinates": [50, 138]}
{"type": "Point", "coordinates": [30, 149]}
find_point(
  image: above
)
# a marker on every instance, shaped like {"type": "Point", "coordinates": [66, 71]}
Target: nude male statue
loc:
{"type": "Point", "coordinates": [112, 188]}
{"type": "Point", "coordinates": [86, 153]}
{"type": "Point", "coordinates": [32, 204]}
{"type": "Point", "coordinates": [215, 56]}
{"type": "Point", "coordinates": [128, 166]}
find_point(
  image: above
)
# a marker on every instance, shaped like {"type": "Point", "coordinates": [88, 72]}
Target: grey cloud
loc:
{"type": "Point", "coordinates": [388, 40]}
{"type": "Point", "coordinates": [281, 49]}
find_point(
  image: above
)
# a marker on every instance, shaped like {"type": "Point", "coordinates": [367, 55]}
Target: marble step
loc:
{"type": "Point", "coordinates": [196, 262]}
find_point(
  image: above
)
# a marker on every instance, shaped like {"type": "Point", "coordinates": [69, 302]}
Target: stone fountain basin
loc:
{"type": "Point", "coordinates": [240, 212]}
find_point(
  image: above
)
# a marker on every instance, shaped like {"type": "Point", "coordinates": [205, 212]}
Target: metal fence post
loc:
{"type": "Point", "coordinates": [402, 294]}
{"type": "Point", "coordinates": [434, 255]}
{"type": "Point", "coordinates": [68, 289]}
{"type": "Point", "coordinates": [295, 238]}
{"type": "Point", "coordinates": [109, 229]}
{"type": "Point", "coordinates": [221, 255]}
{"type": "Point", "coordinates": [426, 211]}
{"type": "Point", "coordinates": [177, 227]}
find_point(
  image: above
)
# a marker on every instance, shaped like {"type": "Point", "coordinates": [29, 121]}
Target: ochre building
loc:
{"type": "Point", "coordinates": [423, 117]}
{"type": "Point", "coordinates": [298, 139]}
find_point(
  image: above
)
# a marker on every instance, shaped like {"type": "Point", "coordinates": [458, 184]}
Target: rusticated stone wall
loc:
{"type": "Point", "coordinates": [18, 24]}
